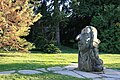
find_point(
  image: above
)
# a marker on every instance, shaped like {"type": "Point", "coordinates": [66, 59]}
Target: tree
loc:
{"type": "Point", "coordinates": [52, 15]}
{"type": "Point", "coordinates": [104, 15]}
{"type": "Point", "coordinates": [108, 23]}
{"type": "Point", "coordinates": [15, 18]}
{"type": "Point", "coordinates": [57, 15]}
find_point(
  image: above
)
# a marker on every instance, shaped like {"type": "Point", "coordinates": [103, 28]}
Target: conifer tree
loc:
{"type": "Point", "coordinates": [15, 18]}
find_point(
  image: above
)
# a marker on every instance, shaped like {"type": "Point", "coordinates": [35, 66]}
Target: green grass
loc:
{"type": "Point", "coordinates": [111, 60]}
{"type": "Point", "coordinates": [19, 61]}
{"type": "Point", "coordinates": [47, 76]}
{"type": "Point", "coordinates": [68, 50]}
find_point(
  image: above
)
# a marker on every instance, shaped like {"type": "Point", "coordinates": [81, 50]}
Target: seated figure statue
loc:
{"type": "Point", "coordinates": [88, 59]}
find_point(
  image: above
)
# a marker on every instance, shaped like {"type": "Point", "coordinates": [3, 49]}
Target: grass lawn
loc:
{"type": "Point", "coordinates": [18, 61]}
{"type": "Point", "coordinates": [45, 76]}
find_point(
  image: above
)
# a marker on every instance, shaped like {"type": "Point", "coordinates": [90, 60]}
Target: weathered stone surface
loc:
{"type": "Point", "coordinates": [42, 69]}
{"type": "Point", "coordinates": [70, 73]}
{"type": "Point", "coordinates": [57, 68]}
{"type": "Point", "coordinates": [87, 75]}
{"type": "Point", "coordinates": [111, 71]}
{"type": "Point", "coordinates": [7, 72]}
{"type": "Point", "coordinates": [110, 79]}
{"type": "Point", "coordinates": [106, 79]}
{"type": "Point", "coordinates": [88, 59]}
{"type": "Point", "coordinates": [71, 66]}
{"type": "Point", "coordinates": [29, 72]}
{"type": "Point", "coordinates": [111, 75]}
{"type": "Point", "coordinates": [74, 64]}
{"type": "Point", "coordinates": [102, 72]}
{"type": "Point", "coordinates": [98, 79]}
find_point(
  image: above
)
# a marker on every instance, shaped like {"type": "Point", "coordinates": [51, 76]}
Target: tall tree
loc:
{"type": "Point", "coordinates": [104, 16]}
{"type": "Point", "coordinates": [59, 13]}
{"type": "Point", "coordinates": [15, 18]}
{"type": "Point", "coordinates": [53, 11]}
{"type": "Point", "coordinates": [108, 23]}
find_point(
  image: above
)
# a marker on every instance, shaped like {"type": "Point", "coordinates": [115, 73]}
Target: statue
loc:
{"type": "Point", "coordinates": [88, 59]}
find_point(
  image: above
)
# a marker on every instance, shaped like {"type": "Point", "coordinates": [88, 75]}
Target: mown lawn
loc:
{"type": "Point", "coordinates": [18, 61]}
{"type": "Point", "coordinates": [45, 76]}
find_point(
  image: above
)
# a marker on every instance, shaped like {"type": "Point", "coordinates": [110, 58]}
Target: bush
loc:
{"type": "Point", "coordinates": [51, 48]}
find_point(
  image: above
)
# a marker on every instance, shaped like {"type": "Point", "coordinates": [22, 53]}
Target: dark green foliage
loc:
{"type": "Point", "coordinates": [51, 48]}
{"type": "Point", "coordinates": [104, 15]}
{"type": "Point", "coordinates": [43, 39]}
{"type": "Point", "coordinates": [46, 30]}
{"type": "Point", "coordinates": [108, 25]}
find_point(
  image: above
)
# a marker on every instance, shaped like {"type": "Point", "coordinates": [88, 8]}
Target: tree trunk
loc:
{"type": "Point", "coordinates": [58, 36]}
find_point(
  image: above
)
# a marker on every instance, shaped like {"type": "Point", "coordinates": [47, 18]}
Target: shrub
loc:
{"type": "Point", "coordinates": [51, 48]}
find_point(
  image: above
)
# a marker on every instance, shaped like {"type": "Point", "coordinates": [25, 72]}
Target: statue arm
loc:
{"type": "Point", "coordinates": [78, 37]}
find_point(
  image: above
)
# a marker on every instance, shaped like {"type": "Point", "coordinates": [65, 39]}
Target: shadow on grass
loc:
{"type": "Point", "coordinates": [69, 50]}
{"type": "Point", "coordinates": [113, 66]}
{"type": "Point", "coordinates": [37, 52]}
{"type": "Point", "coordinates": [27, 66]}
{"type": "Point", "coordinates": [10, 55]}
{"type": "Point", "coordinates": [64, 50]}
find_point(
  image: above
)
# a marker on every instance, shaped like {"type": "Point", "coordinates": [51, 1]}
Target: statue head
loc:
{"type": "Point", "coordinates": [88, 37]}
